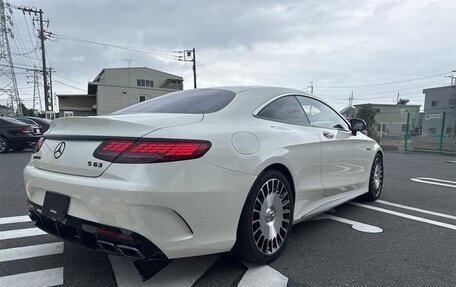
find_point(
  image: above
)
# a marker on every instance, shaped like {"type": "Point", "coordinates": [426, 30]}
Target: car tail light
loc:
{"type": "Point", "coordinates": [109, 150]}
{"type": "Point", "coordinates": [38, 144]}
{"type": "Point", "coordinates": [27, 129]}
{"type": "Point", "coordinates": [150, 151]}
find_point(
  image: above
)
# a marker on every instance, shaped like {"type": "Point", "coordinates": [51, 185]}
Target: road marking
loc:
{"type": "Point", "coordinates": [363, 227]}
{"type": "Point", "coordinates": [14, 219]}
{"type": "Point", "coordinates": [412, 217]}
{"type": "Point", "coordinates": [416, 209]}
{"type": "Point", "coordinates": [125, 272]}
{"type": "Point", "coordinates": [30, 251]}
{"type": "Point", "coordinates": [180, 272]}
{"type": "Point", "coordinates": [19, 233]}
{"type": "Point", "coordinates": [262, 275]}
{"type": "Point", "coordinates": [432, 182]}
{"type": "Point", "coordinates": [436, 179]}
{"type": "Point", "coordinates": [42, 278]}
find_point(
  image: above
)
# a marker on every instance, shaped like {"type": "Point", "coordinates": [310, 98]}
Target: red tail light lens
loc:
{"type": "Point", "coordinates": [109, 150]}
{"type": "Point", "coordinates": [38, 144]}
{"type": "Point", "coordinates": [150, 151]}
{"type": "Point", "coordinates": [27, 130]}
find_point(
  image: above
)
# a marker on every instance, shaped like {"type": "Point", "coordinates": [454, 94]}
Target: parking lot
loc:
{"type": "Point", "coordinates": [405, 239]}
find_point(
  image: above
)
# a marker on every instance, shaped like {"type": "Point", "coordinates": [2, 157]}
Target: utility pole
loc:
{"type": "Point", "coordinates": [350, 100]}
{"type": "Point", "coordinates": [42, 37]}
{"type": "Point", "coordinates": [311, 86]}
{"type": "Point", "coordinates": [7, 74]}
{"type": "Point", "coordinates": [50, 88]}
{"type": "Point", "coordinates": [453, 79]}
{"type": "Point", "coordinates": [194, 68]}
{"type": "Point", "coordinates": [189, 56]}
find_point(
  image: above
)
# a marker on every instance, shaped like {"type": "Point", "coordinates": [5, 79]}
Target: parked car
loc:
{"type": "Point", "coordinates": [200, 171]}
{"type": "Point", "coordinates": [41, 125]}
{"type": "Point", "coordinates": [15, 134]}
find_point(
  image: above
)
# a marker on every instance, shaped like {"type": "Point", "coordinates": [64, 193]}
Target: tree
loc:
{"type": "Point", "coordinates": [27, 112]}
{"type": "Point", "coordinates": [368, 115]}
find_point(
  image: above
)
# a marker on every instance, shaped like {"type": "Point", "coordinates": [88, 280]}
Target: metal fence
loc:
{"type": "Point", "coordinates": [414, 131]}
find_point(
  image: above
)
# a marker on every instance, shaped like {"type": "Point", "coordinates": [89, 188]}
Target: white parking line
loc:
{"type": "Point", "coordinates": [433, 182]}
{"type": "Point", "coordinates": [263, 275]}
{"type": "Point", "coordinates": [125, 272]}
{"type": "Point", "coordinates": [363, 227]}
{"type": "Point", "coordinates": [30, 251]}
{"type": "Point", "coordinates": [416, 209]}
{"type": "Point", "coordinates": [19, 233]}
{"type": "Point", "coordinates": [42, 278]}
{"type": "Point", "coordinates": [14, 219]}
{"type": "Point", "coordinates": [180, 272]}
{"type": "Point", "coordinates": [436, 179]}
{"type": "Point", "coordinates": [400, 214]}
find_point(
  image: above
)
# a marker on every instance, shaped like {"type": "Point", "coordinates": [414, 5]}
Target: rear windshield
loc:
{"type": "Point", "coordinates": [183, 102]}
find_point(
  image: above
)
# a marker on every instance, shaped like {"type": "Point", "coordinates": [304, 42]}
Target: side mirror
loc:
{"type": "Point", "coordinates": [357, 125]}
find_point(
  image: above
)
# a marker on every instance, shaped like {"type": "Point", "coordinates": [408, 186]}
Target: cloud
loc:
{"type": "Point", "coordinates": [290, 43]}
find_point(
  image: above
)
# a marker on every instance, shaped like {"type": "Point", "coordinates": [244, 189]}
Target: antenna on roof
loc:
{"type": "Point", "coordinates": [129, 60]}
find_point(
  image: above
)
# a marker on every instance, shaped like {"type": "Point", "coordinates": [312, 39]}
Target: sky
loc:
{"type": "Point", "coordinates": [375, 49]}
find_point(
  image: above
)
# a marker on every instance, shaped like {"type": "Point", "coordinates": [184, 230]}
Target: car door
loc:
{"type": "Point", "coordinates": [289, 130]}
{"type": "Point", "coordinates": [346, 158]}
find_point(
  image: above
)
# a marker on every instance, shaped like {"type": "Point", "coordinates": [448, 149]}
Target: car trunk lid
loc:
{"type": "Point", "coordinates": [70, 142]}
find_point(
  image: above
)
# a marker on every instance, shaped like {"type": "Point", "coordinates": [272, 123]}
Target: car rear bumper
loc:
{"type": "Point", "coordinates": [96, 236]}
{"type": "Point", "coordinates": [186, 208]}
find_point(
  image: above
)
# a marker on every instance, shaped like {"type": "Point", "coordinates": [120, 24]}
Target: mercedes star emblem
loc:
{"type": "Point", "coordinates": [59, 150]}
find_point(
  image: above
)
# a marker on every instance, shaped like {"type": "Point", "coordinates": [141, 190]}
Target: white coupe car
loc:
{"type": "Point", "coordinates": [199, 171]}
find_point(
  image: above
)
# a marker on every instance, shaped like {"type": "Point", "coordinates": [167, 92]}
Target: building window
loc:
{"type": "Point", "coordinates": [377, 110]}
{"type": "Point", "coordinates": [144, 83]}
{"type": "Point", "coordinates": [452, 102]}
{"type": "Point", "coordinates": [403, 128]}
{"type": "Point", "coordinates": [67, 114]}
{"type": "Point", "coordinates": [142, 98]}
{"type": "Point", "coordinates": [432, 130]}
{"type": "Point", "coordinates": [381, 127]}
{"type": "Point", "coordinates": [435, 103]}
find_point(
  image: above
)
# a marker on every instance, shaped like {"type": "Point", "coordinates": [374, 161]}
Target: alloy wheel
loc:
{"type": "Point", "coordinates": [271, 216]}
{"type": "Point", "coordinates": [377, 176]}
{"type": "Point", "coordinates": [3, 144]}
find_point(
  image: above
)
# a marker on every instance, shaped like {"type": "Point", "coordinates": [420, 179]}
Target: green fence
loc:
{"type": "Point", "coordinates": [413, 131]}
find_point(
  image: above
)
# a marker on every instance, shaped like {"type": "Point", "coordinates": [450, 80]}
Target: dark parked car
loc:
{"type": "Point", "coordinates": [40, 123]}
{"type": "Point", "coordinates": [16, 135]}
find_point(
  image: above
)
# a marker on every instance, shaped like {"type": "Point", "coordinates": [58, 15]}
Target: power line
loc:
{"type": "Point", "coordinates": [164, 54]}
{"type": "Point", "coordinates": [68, 79]}
{"type": "Point", "coordinates": [384, 83]}
{"type": "Point", "coordinates": [70, 86]}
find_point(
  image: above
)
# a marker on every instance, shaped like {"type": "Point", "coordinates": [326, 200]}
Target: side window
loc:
{"type": "Point", "coordinates": [285, 109]}
{"type": "Point", "coordinates": [320, 115]}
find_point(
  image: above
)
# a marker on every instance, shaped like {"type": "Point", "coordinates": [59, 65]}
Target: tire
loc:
{"type": "Point", "coordinates": [4, 145]}
{"type": "Point", "coordinates": [269, 204]}
{"type": "Point", "coordinates": [375, 180]}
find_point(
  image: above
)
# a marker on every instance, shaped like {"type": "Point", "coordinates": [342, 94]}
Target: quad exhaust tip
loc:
{"type": "Point", "coordinates": [122, 250]}
{"type": "Point", "coordinates": [130, 252]}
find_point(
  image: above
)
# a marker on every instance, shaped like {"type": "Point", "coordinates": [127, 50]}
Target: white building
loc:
{"type": "Point", "coordinates": [117, 88]}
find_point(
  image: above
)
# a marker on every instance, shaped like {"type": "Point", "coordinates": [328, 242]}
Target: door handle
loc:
{"type": "Point", "coordinates": [328, 135]}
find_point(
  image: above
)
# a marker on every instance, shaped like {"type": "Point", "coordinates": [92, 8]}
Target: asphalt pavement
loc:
{"type": "Point", "coordinates": [408, 238]}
